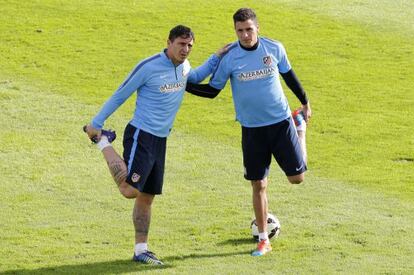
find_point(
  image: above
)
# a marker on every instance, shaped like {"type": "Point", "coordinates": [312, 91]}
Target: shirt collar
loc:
{"type": "Point", "coordinates": [252, 48]}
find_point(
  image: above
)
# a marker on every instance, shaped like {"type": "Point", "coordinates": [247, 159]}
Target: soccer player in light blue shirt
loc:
{"type": "Point", "coordinates": [160, 86]}
{"type": "Point", "coordinates": [253, 65]}
{"type": "Point", "coordinates": [159, 82]}
{"type": "Point", "coordinates": [254, 76]}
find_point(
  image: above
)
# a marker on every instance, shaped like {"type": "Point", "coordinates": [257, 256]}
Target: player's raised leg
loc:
{"type": "Point", "coordinates": [116, 165]}
{"type": "Point", "coordinates": [119, 172]}
{"type": "Point", "coordinates": [300, 123]}
{"type": "Point", "coordinates": [300, 153]}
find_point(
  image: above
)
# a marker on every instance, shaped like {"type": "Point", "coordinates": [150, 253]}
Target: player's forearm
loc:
{"type": "Point", "coordinates": [200, 73]}
{"type": "Point", "coordinates": [294, 84]}
{"type": "Point", "coordinates": [203, 90]}
{"type": "Point", "coordinates": [111, 105]}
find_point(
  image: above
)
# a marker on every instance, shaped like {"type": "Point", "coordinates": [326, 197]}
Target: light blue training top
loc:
{"type": "Point", "coordinates": [254, 76]}
{"type": "Point", "coordinates": [160, 87]}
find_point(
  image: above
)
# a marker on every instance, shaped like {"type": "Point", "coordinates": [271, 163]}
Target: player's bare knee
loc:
{"type": "Point", "coordinates": [127, 191]}
{"type": "Point", "coordinates": [124, 191]}
{"type": "Point", "coordinates": [145, 198]}
{"type": "Point", "coordinates": [296, 179]}
{"type": "Point", "coordinates": [128, 195]}
{"type": "Point", "coordinates": [259, 186]}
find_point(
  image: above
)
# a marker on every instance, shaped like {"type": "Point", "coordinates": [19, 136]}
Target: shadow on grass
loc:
{"type": "Point", "coordinates": [238, 241]}
{"type": "Point", "coordinates": [115, 267]}
{"type": "Point", "coordinates": [197, 256]}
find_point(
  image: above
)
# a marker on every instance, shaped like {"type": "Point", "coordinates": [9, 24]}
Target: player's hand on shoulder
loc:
{"type": "Point", "coordinates": [223, 50]}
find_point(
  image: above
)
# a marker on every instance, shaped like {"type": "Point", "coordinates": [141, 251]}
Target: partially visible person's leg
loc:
{"type": "Point", "coordinates": [287, 151]}
{"type": "Point", "coordinates": [296, 179]}
{"type": "Point", "coordinates": [256, 160]}
{"type": "Point", "coordinates": [141, 217]}
{"type": "Point", "coordinates": [147, 177]}
{"type": "Point", "coordinates": [119, 172]}
{"type": "Point", "coordinates": [260, 210]}
{"type": "Point", "coordinates": [141, 156]}
{"type": "Point", "coordinates": [116, 164]}
{"type": "Point", "coordinates": [300, 124]}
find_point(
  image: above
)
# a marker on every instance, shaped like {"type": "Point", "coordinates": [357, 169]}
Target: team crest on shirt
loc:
{"type": "Point", "coordinates": [267, 60]}
{"type": "Point", "coordinates": [267, 71]}
{"type": "Point", "coordinates": [135, 177]}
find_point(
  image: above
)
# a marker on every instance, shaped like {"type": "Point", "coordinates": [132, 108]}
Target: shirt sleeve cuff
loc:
{"type": "Point", "coordinates": [96, 125]}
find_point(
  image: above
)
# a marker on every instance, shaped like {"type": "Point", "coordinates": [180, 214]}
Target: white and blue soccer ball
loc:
{"type": "Point", "coordinates": [273, 227]}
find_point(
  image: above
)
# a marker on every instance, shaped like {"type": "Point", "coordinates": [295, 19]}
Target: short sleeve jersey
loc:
{"type": "Point", "coordinates": [254, 76]}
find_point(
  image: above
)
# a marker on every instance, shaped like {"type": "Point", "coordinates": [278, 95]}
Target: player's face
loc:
{"type": "Point", "coordinates": [247, 32]}
{"type": "Point", "coordinates": [179, 49]}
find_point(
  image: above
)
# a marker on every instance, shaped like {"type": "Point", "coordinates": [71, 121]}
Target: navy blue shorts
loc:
{"type": "Point", "coordinates": [144, 155]}
{"type": "Point", "coordinates": [281, 141]}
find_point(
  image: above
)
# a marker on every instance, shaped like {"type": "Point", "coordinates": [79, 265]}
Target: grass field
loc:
{"type": "Point", "coordinates": [60, 212]}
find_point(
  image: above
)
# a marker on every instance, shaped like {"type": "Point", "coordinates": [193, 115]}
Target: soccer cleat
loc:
{"type": "Point", "coordinates": [111, 135]}
{"type": "Point", "coordinates": [299, 119]}
{"type": "Point", "coordinates": [147, 257]}
{"type": "Point", "coordinates": [263, 247]}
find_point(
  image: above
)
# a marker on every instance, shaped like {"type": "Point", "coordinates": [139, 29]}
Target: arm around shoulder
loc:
{"type": "Point", "coordinates": [202, 90]}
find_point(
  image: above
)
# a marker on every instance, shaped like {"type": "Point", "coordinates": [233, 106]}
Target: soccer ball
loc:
{"type": "Point", "coordinates": [273, 227]}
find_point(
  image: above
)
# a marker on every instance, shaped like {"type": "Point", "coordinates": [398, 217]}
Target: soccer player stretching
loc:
{"type": "Point", "coordinates": [253, 65]}
{"type": "Point", "coordinates": [160, 82]}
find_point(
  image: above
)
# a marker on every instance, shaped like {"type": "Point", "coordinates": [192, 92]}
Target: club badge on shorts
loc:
{"type": "Point", "coordinates": [135, 177]}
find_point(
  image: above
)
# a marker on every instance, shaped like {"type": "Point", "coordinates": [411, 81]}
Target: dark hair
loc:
{"type": "Point", "coordinates": [180, 31]}
{"type": "Point", "coordinates": [244, 14]}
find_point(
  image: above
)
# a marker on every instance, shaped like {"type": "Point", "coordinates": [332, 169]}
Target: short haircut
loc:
{"type": "Point", "coordinates": [180, 31]}
{"type": "Point", "coordinates": [244, 14]}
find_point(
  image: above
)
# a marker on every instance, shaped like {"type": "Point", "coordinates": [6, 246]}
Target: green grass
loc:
{"type": "Point", "coordinates": [59, 219]}
{"type": "Point", "coordinates": [61, 212]}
